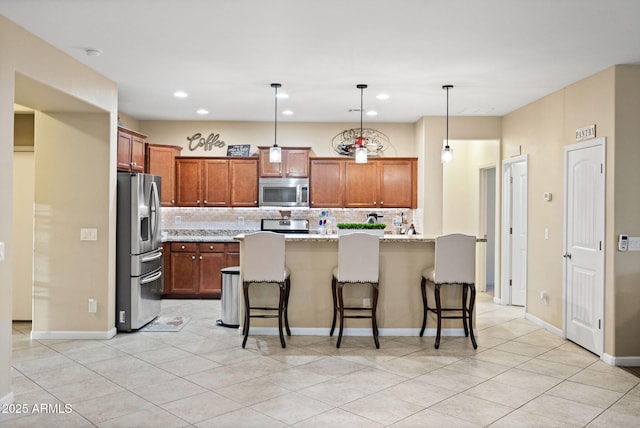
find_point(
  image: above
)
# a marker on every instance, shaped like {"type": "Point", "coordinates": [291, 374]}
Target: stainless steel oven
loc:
{"type": "Point", "coordinates": [283, 192]}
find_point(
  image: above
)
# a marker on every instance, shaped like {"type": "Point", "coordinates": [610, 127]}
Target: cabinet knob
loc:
{"type": "Point", "coordinates": [205, 202]}
{"type": "Point", "coordinates": [173, 201]}
{"type": "Point", "coordinates": [182, 247]}
{"type": "Point", "coordinates": [381, 202]}
{"type": "Point", "coordinates": [211, 247]}
{"type": "Point", "coordinates": [200, 257]}
{"type": "Point", "coordinates": [193, 257]}
{"type": "Point", "coordinates": [255, 202]}
{"type": "Point", "coordinates": [198, 201]}
{"type": "Point", "coordinates": [375, 203]}
{"type": "Point", "coordinates": [313, 203]}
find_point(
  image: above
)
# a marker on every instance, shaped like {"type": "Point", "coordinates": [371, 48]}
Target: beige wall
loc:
{"type": "Point", "coordinates": [622, 299]}
{"type": "Point", "coordinates": [318, 136]}
{"type": "Point", "coordinates": [67, 198]}
{"type": "Point", "coordinates": [83, 86]}
{"type": "Point", "coordinates": [23, 198]}
{"type": "Point", "coordinates": [609, 99]}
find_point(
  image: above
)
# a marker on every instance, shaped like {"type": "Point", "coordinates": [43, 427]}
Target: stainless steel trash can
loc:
{"type": "Point", "coordinates": [230, 297]}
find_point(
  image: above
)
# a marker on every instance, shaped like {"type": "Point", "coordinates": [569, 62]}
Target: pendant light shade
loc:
{"type": "Point", "coordinates": [447, 153]}
{"type": "Point", "coordinates": [275, 152]}
{"type": "Point", "coordinates": [361, 149]}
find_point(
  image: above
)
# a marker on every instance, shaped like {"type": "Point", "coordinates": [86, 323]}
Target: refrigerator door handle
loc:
{"type": "Point", "coordinates": [155, 212]}
{"type": "Point", "coordinates": [152, 257]}
{"type": "Point", "coordinates": [151, 278]}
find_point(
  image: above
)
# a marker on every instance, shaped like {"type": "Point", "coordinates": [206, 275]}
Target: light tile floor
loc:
{"type": "Point", "coordinates": [520, 376]}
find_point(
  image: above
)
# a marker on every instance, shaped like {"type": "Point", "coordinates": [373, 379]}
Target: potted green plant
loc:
{"type": "Point", "coordinates": [372, 228]}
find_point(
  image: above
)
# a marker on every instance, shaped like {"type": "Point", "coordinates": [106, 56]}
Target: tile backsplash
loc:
{"type": "Point", "coordinates": [249, 218]}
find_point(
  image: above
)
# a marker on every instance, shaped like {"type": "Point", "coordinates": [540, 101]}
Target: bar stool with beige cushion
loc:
{"type": "Point", "coordinates": [455, 263]}
{"type": "Point", "coordinates": [358, 263]}
{"type": "Point", "coordinates": [263, 263]}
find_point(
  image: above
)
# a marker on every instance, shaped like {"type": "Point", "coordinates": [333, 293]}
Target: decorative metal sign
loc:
{"type": "Point", "coordinates": [586, 133]}
{"type": "Point", "coordinates": [374, 141]}
{"type": "Point", "coordinates": [197, 141]}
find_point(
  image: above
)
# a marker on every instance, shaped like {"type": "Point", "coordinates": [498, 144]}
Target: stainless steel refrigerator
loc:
{"type": "Point", "coordinates": [139, 260]}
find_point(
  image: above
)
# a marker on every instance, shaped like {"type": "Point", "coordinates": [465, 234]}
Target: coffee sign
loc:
{"type": "Point", "coordinates": [197, 141]}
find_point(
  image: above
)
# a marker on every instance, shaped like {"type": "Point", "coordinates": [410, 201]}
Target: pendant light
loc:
{"type": "Point", "coordinates": [275, 152]}
{"type": "Point", "coordinates": [447, 153]}
{"type": "Point", "coordinates": [361, 149]}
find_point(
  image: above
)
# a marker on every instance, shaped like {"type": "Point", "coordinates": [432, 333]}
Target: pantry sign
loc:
{"type": "Point", "coordinates": [586, 133]}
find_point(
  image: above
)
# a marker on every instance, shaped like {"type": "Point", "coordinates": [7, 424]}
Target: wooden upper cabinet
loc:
{"type": "Point", "coordinates": [327, 183]}
{"type": "Point", "coordinates": [188, 182]}
{"type": "Point", "coordinates": [295, 163]}
{"type": "Point", "coordinates": [361, 181]}
{"type": "Point", "coordinates": [131, 150]}
{"type": "Point", "coordinates": [397, 183]}
{"type": "Point", "coordinates": [243, 181]}
{"type": "Point", "coordinates": [161, 160]}
{"type": "Point", "coordinates": [215, 183]}
{"type": "Point", "coordinates": [380, 183]}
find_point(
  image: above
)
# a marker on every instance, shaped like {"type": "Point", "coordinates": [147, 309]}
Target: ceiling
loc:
{"type": "Point", "coordinates": [499, 54]}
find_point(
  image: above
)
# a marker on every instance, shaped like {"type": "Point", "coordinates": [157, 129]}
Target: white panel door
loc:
{"type": "Point", "coordinates": [514, 231]}
{"type": "Point", "coordinates": [584, 241]}
{"type": "Point", "coordinates": [519, 234]}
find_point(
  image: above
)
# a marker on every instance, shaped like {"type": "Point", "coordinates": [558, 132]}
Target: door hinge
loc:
{"type": "Point", "coordinates": [599, 324]}
{"type": "Point", "coordinates": [601, 168]}
{"type": "Point", "coordinates": [511, 231]}
{"type": "Point", "coordinates": [510, 283]}
{"type": "Point", "coordinates": [600, 245]}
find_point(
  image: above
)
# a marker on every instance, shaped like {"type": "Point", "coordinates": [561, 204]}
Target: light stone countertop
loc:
{"type": "Point", "coordinates": [315, 237]}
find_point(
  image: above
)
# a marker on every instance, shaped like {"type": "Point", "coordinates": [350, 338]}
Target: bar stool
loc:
{"type": "Point", "coordinates": [358, 260]}
{"type": "Point", "coordinates": [455, 263]}
{"type": "Point", "coordinates": [263, 263]}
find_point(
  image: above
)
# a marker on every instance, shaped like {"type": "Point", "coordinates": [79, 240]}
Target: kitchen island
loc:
{"type": "Point", "coordinates": [311, 259]}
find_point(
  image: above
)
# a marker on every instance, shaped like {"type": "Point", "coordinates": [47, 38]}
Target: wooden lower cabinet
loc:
{"type": "Point", "coordinates": [194, 268]}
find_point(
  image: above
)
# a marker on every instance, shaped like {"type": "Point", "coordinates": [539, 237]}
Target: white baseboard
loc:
{"type": "Point", "coordinates": [77, 335]}
{"type": "Point", "coordinates": [551, 328]}
{"type": "Point", "coordinates": [621, 361]}
{"type": "Point", "coordinates": [273, 331]}
{"type": "Point", "coordinates": [7, 399]}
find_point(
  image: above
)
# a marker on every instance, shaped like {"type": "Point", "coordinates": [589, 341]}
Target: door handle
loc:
{"type": "Point", "coordinates": [567, 255]}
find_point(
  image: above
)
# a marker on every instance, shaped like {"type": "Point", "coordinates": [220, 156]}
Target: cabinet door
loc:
{"type": "Point", "coordinates": [361, 185]}
{"type": "Point", "coordinates": [124, 151]}
{"type": "Point", "coordinates": [188, 183]}
{"type": "Point", "coordinates": [210, 276]}
{"type": "Point", "coordinates": [243, 175]}
{"type": "Point", "coordinates": [161, 161]}
{"type": "Point", "coordinates": [296, 163]}
{"type": "Point", "coordinates": [137, 153]}
{"type": "Point", "coordinates": [395, 183]}
{"type": "Point", "coordinates": [185, 272]}
{"type": "Point", "coordinates": [215, 183]}
{"type": "Point", "coordinates": [269, 169]}
{"type": "Point", "coordinates": [327, 183]}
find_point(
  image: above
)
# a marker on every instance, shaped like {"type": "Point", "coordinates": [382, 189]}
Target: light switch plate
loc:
{"type": "Point", "coordinates": [88, 234]}
{"type": "Point", "coordinates": [1, 251]}
{"type": "Point", "coordinates": [634, 243]}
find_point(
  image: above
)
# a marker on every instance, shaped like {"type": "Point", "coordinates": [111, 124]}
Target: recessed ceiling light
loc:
{"type": "Point", "coordinates": [180, 94]}
{"type": "Point", "coordinates": [202, 111]}
{"type": "Point", "coordinates": [372, 113]}
{"type": "Point", "coordinates": [382, 96]}
{"type": "Point", "coordinates": [287, 112]}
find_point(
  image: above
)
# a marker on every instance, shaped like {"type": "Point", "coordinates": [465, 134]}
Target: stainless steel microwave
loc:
{"type": "Point", "coordinates": [283, 192]}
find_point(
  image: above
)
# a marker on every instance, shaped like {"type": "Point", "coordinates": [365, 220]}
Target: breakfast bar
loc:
{"type": "Point", "coordinates": [311, 259]}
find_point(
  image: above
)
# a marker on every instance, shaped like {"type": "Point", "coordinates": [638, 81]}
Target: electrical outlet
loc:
{"type": "Point", "coordinates": [122, 317]}
{"type": "Point", "coordinates": [366, 302]}
{"type": "Point", "coordinates": [177, 220]}
{"type": "Point", "coordinates": [240, 221]}
{"type": "Point", "coordinates": [93, 306]}
{"type": "Point", "coordinates": [1, 251]}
